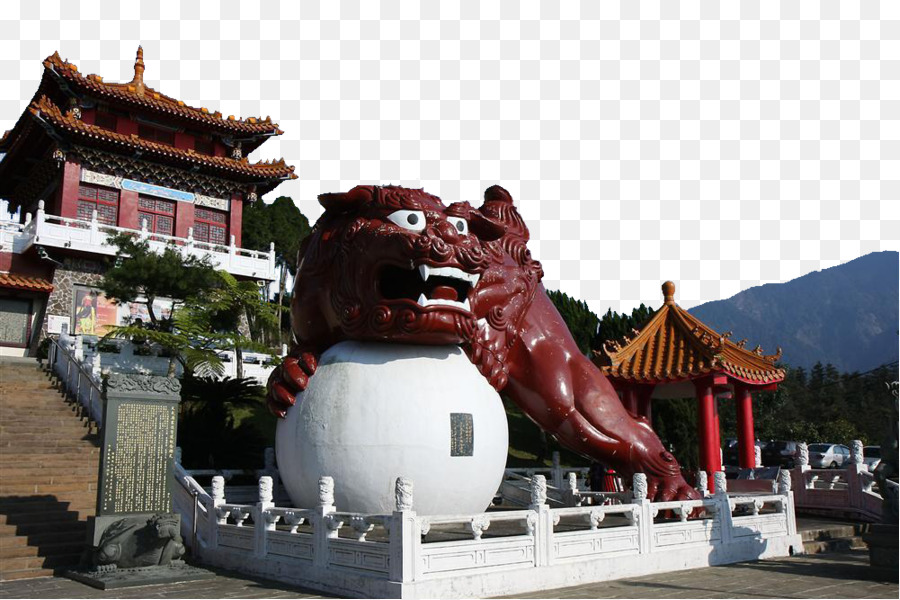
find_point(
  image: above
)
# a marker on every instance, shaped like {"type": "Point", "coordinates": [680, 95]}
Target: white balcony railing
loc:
{"type": "Point", "coordinates": [92, 236]}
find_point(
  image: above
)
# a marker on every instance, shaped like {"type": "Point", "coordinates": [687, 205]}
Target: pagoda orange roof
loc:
{"type": "Point", "coordinates": [136, 93]}
{"type": "Point", "coordinates": [676, 346]}
{"type": "Point", "coordinates": [50, 115]}
{"type": "Point", "coordinates": [18, 282]}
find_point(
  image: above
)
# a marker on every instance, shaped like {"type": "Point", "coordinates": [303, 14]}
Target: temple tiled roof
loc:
{"type": "Point", "coordinates": [675, 346]}
{"type": "Point", "coordinates": [135, 93]}
{"type": "Point", "coordinates": [50, 115]}
{"type": "Point", "coordinates": [18, 282]}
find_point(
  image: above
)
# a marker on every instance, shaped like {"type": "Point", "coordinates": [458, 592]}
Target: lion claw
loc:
{"type": "Point", "coordinates": [287, 380]}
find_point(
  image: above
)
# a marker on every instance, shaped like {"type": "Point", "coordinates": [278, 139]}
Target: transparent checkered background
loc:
{"type": "Point", "coordinates": [720, 145]}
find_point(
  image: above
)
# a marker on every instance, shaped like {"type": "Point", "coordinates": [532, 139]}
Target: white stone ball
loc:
{"type": "Point", "coordinates": [374, 412]}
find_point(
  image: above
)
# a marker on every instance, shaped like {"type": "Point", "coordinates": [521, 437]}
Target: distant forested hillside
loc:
{"type": "Point", "coordinates": [846, 315]}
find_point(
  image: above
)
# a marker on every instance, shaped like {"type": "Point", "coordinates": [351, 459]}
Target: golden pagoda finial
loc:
{"type": "Point", "coordinates": [668, 290]}
{"type": "Point", "coordinates": [138, 81]}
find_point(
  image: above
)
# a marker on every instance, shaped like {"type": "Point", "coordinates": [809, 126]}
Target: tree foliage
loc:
{"type": "Point", "coordinates": [280, 222]}
{"type": "Point", "coordinates": [208, 433]}
{"type": "Point", "coordinates": [220, 316]}
{"type": "Point", "coordinates": [615, 326]}
{"type": "Point", "coordinates": [142, 275]}
{"type": "Point", "coordinates": [208, 309]}
{"type": "Point", "coordinates": [581, 321]}
{"type": "Point", "coordinates": [822, 405]}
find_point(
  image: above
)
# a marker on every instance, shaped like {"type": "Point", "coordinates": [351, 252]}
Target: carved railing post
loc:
{"type": "Point", "coordinates": [643, 512]}
{"type": "Point", "coordinates": [787, 507]}
{"type": "Point", "coordinates": [263, 522]}
{"type": "Point", "coordinates": [856, 455]}
{"type": "Point", "coordinates": [857, 465]}
{"type": "Point", "coordinates": [95, 228]}
{"type": "Point", "coordinates": [720, 483]}
{"type": "Point", "coordinates": [540, 522]}
{"type": "Point", "coordinates": [723, 507]}
{"type": "Point", "coordinates": [801, 466]}
{"type": "Point", "coordinates": [322, 525]}
{"type": "Point", "coordinates": [556, 473]}
{"type": "Point", "coordinates": [757, 456]}
{"type": "Point", "coordinates": [572, 495]}
{"type": "Point", "coordinates": [784, 481]}
{"type": "Point", "coordinates": [702, 482]}
{"type": "Point", "coordinates": [405, 533]}
{"type": "Point", "coordinates": [217, 515]}
{"type": "Point", "coordinates": [39, 218]}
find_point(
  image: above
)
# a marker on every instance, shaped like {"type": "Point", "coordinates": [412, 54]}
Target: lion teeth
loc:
{"type": "Point", "coordinates": [423, 301]}
{"type": "Point", "coordinates": [452, 272]}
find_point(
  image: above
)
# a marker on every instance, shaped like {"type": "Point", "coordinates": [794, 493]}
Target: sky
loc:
{"type": "Point", "coordinates": [719, 145]}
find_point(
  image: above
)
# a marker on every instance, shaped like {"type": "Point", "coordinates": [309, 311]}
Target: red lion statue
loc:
{"type": "Point", "coordinates": [392, 264]}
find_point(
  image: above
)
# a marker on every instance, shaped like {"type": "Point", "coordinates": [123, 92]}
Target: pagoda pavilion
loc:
{"type": "Point", "coordinates": [89, 158]}
{"type": "Point", "coordinates": [677, 356]}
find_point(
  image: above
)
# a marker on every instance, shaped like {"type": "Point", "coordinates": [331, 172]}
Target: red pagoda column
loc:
{"type": "Point", "coordinates": [706, 424]}
{"type": "Point", "coordinates": [746, 435]}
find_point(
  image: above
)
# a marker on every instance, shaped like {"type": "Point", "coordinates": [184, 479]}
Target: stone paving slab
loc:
{"type": "Point", "coordinates": [843, 575]}
{"type": "Point", "coordinates": [840, 575]}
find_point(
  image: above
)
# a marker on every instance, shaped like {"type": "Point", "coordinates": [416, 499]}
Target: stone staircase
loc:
{"type": "Point", "coordinates": [48, 474]}
{"type": "Point", "coordinates": [821, 536]}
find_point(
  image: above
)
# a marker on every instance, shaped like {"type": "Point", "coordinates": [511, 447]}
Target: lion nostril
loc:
{"type": "Point", "coordinates": [447, 231]}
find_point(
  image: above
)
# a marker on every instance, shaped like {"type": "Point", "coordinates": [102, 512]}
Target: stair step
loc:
{"type": "Point", "coordinates": [835, 531]}
{"type": "Point", "coordinates": [19, 489]}
{"type": "Point", "coordinates": [81, 499]}
{"type": "Point", "coordinates": [38, 528]}
{"type": "Point", "coordinates": [47, 550]}
{"type": "Point", "coordinates": [42, 426]}
{"type": "Point", "coordinates": [62, 517]}
{"type": "Point", "coordinates": [24, 574]}
{"type": "Point", "coordinates": [38, 562]}
{"type": "Point", "coordinates": [833, 545]}
{"type": "Point", "coordinates": [62, 411]}
{"type": "Point", "coordinates": [54, 474]}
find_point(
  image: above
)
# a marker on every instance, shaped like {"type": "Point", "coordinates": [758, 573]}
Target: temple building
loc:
{"type": "Point", "coordinates": [89, 158]}
{"type": "Point", "coordinates": [676, 356]}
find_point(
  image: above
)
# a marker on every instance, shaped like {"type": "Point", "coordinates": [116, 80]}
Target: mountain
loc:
{"type": "Point", "coordinates": [846, 315]}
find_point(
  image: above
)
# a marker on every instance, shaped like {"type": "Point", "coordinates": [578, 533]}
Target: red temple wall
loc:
{"type": "Point", "coordinates": [184, 219]}
{"type": "Point", "coordinates": [26, 265]}
{"type": "Point", "coordinates": [236, 216]}
{"type": "Point", "coordinates": [68, 190]}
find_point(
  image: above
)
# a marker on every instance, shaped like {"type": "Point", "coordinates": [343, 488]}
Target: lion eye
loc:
{"type": "Point", "coordinates": [461, 225]}
{"type": "Point", "coordinates": [408, 219]}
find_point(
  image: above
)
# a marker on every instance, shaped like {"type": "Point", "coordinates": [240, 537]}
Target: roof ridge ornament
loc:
{"type": "Point", "coordinates": [138, 81]}
{"type": "Point", "coordinates": [668, 290]}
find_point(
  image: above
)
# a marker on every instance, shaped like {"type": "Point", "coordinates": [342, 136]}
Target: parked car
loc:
{"type": "Point", "coordinates": [828, 456]}
{"type": "Point", "coordinates": [872, 456]}
{"type": "Point", "coordinates": [730, 451]}
{"type": "Point", "coordinates": [779, 454]}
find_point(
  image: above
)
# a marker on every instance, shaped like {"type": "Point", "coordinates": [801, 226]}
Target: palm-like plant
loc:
{"type": "Point", "coordinates": [221, 313]}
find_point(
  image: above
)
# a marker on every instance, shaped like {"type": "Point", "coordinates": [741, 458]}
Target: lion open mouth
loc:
{"type": "Point", "coordinates": [428, 286]}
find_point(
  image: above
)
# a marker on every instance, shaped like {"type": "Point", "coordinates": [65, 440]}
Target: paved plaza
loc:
{"type": "Point", "coordinates": [840, 575]}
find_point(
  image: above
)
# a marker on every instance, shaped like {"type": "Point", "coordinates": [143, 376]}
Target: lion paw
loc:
{"type": "Point", "coordinates": [289, 378]}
